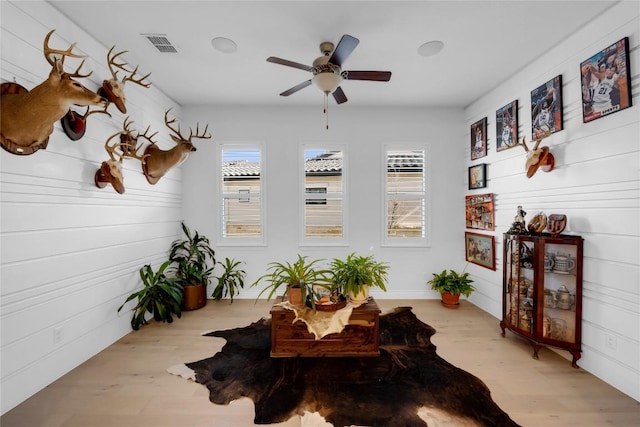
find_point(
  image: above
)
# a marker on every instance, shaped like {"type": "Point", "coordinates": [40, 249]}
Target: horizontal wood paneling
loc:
{"type": "Point", "coordinates": [70, 250]}
{"type": "Point", "coordinates": [596, 183]}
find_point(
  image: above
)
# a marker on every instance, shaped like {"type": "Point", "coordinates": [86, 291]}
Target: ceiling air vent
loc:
{"type": "Point", "coordinates": [161, 42]}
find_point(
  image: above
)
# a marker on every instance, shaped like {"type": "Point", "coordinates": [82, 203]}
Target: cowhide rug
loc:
{"type": "Point", "coordinates": [408, 385]}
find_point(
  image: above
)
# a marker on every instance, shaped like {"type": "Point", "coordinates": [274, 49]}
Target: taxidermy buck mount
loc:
{"type": "Point", "coordinates": [27, 117]}
{"type": "Point", "coordinates": [112, 90]}
{"type": "Point", "coordinates": [538, 157]}
{"type": "Point", "coordinates": [110, 171]}
{"type": "Point", "coordinates": [157, 162]}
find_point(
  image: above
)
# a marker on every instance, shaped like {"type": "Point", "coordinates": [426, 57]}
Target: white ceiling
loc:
{"type": "Point", "coordinates": [485, 43]}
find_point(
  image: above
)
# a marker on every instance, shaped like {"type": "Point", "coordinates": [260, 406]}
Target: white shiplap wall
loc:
{"type": "Point", "coordinates": [71, 251]}
{"type": "Point", "coordinates": [596, 183]}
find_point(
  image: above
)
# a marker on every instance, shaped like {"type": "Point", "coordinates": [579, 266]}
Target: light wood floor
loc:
{"type": "Point", "coordinates": [127, 385]}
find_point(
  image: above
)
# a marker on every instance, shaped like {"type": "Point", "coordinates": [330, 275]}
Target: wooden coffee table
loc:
{"type": "Point", "coordinates": [359, 338]}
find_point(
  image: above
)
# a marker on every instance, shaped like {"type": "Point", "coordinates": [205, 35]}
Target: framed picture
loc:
{"type": "Point", "coordinates": [478, 176]}
{"type": "Point", "coordinates": [479, 139]}
{"type": "Point", "coordinates": [546, 108]}
{"type": "Point", "coordinates": [480, 249]}
{"type": "Point", "coordinates": [606, 81]}
{"type": "Point", "coordinates": [507, 126]}
{"type": "Point", "coordinates": [479, 211]}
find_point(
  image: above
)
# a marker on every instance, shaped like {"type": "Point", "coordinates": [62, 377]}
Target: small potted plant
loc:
{"type": "Point", "coordinates": [190, 257]}
{"type": "Point", "coordinates": [451, 285]}
{"type": "Point", "coordinates": [298, 279]}
{"type": "Point", "coordinates": [161, 296]}
{"type": "Point", "coordinates": [230, 281]}
{"type": "Point", "coordinates": [357, 273]}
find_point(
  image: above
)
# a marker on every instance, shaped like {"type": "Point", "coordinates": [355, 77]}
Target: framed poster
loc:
{"type": "Point", "coordinates": [480, 249]}
{"type": "Point", "coordinates": [479, 139]}
{"type": "Point", "coordinates": [479, 211]}
{"type": "Point", "coordinates": [478, 176]}
{"type": "Point", "coordinates": [546, 108]}
{"type": "Point", "coordinates": [507, 126]}
{"type": "Point", "coordinates": [606, 81]}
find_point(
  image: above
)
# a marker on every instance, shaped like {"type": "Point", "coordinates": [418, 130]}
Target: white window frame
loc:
{"type": "Point", "coordinates": [223, 240]}
{"type": "Point", "coordinates": [325, 240]}
{"type": "Point", "coordinates": [420, 242]}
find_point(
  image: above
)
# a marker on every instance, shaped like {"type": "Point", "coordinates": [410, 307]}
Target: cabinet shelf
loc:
{"type": "Point", "coordinates": [542, 302]}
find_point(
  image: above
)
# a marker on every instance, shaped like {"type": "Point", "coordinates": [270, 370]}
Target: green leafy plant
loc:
{"type": "Point", "coordinates": [160, 296]}
{"type": "Point", "coordinates": [355, 272]}
{"type": "Point", "coordinates": [190, 257]}
{"type": "Point", "coordinates": [230, 281]}
{"type": "Point", "coordinates": [453, 282]}
{"type": "Point", "coordinates": [302, 274]}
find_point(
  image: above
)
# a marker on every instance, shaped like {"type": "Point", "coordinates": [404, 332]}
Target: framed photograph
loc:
{"type": "Point", "coordinates": [478, 176]}
{"type": "Point", "coordinates": [507, 126]}
{"type": "Point", "coordinates": [479, 211]}
{"type": "Point", "coordinates": [546, 108]}
{"type": "Point", "coordinates": [480, 249]}
{"type": "Point", "coordinates": [479, 139]}
{"type": "Point", "coordinates": [606, 81]}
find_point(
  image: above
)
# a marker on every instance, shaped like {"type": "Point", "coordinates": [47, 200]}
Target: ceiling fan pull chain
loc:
{"type": "Point", "coordinates": [326, 109]}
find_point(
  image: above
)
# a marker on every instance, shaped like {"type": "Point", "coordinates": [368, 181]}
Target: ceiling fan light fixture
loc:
{"type": "Point", "coordinates": [430, 48]}
{"type": "Point", "coordinates": [327, 82]}
{"type": "Point", "coordinates": [224, 45]}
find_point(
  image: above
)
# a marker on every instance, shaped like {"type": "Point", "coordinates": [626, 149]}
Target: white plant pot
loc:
{"type": "Point", "coordinates": [361, 297]}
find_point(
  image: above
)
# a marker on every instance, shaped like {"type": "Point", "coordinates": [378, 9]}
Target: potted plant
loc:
{"type": "Point", "coordinates": [298, 279]}
{"type": "Point", "coordinates": [231, 279]}
{"type": "Point", "coordinates": [451, 285]}
{"type": "Point", "coordinates": [190, 256]}
{"type": "Point", "coordinates": [357, 273]}
{"type": "Point", "coordinates": [161, 296]}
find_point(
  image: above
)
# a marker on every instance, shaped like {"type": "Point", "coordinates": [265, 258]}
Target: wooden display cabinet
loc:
{"type": "Point", "coordinates": [542, 290]}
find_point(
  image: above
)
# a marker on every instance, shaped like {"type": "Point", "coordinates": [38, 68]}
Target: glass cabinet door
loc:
{"type": "Point", "coordinates": [559, 296]}
{"type": "Point", "coordinates": [519, 275]}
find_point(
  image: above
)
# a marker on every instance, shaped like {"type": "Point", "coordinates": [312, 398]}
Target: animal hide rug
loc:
{"type": "Point", "coordinates": [406, 386]}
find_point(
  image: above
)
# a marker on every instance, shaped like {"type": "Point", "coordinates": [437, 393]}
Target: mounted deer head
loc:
{"type": "Point", "coordinates": [158, 161]}
{"type": "Point", "coordinates": [113, 89]}
{"type": "Point", "coordinates": [27, 117]}
{"type": "Point", "coordinates": [538, 157]}
{"type": "Point", "coordinates": [74, 124]}
{"type": "Point", "coordinates": [110, 171]}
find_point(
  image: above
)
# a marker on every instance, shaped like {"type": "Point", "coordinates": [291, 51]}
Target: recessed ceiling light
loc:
{"type": "Point", "coordinates": [431, 48]}
{"type": "Point", "coordinates": [224, 45]}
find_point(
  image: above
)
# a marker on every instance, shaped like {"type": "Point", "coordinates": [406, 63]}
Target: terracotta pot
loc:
{"type": "Point", "coordinates": [195, 297]}
{"type": "Point", "coordinates": [294, 295]}
{"type": "Point", "coordinates": [450, 300]}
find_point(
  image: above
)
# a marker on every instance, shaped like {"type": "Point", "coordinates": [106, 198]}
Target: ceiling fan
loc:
{"type": "Point", "coordinates": [327, 69]}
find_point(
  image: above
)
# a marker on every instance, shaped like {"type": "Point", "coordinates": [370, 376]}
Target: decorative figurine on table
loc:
{"type": "Point", "coordinates": [519, 226]}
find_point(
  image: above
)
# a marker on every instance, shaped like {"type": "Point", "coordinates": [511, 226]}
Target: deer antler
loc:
{"type": "Point", "coordinates": [101, 111]}
{"type": "Point", "coordinates": [111, 149]}
{"type": "Point", "coordinates": [122, 66]}
{"type": "Point", "coordinates": [204, 132]}
{"type": "Point", "coordinates": [48, 51]}
{"type": "Point", "coordinates": [178, 135]}
{"type": "Point", "coordinates": [129, 141]}
{"type": "Point", "coordinates": [524, 145]}
{"type": "Point", "coordinates": [138, 81]}
{"type": "Point", "coordinates": [133, 151]}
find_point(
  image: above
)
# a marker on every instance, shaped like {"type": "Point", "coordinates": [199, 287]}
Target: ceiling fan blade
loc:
{"type": "Point", "coordinates": [296, 88]}
{"type": "Point", "coordinates": [343, 50]}
{"type": "Point", "coordinates": [339, 95]}
{"type": "Point", "coordinates": [378, 76]}
{"type": "Point", "coordinates": [288, 63]}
